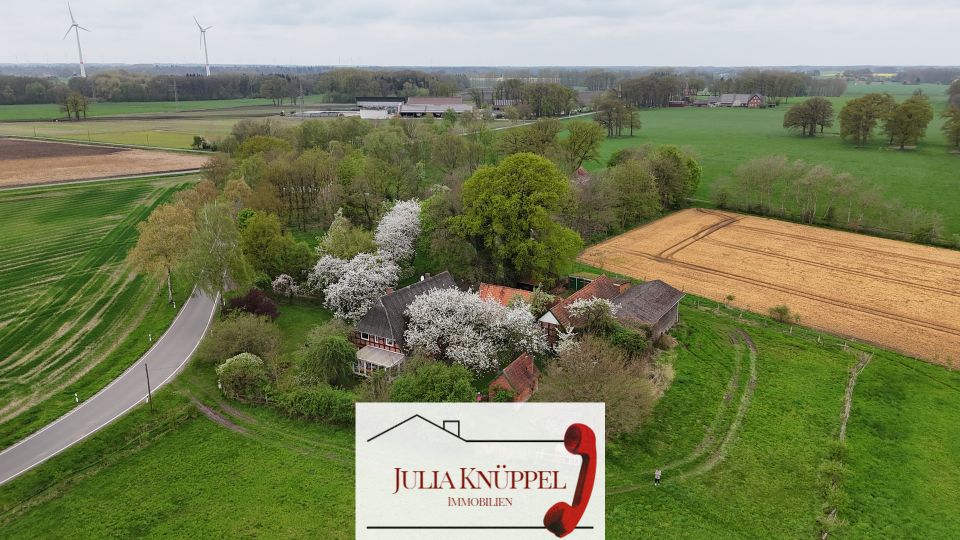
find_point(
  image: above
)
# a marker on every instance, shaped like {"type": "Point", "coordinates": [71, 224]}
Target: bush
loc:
{"type": "Point", "coordinates": [503, 396]}
{"type": "Point", "coordinates": [783, 314]}
{"type": "Point", "coordinates": [326, 359]}
{"type": "Point", "coordinates": [238, 333]}
{"type": "Point", "coordinates": [318, 403]}
{"type": "Point", "coordinates": [597, 371]}
{"type": "Point", "coordinates": [255, 302]}
{"type": "Point", "coordinates": [633, 342]}
{"type": "Point", "coordinates": [243, 376]}
{"type": "Point", "coordinates": [433, 382]}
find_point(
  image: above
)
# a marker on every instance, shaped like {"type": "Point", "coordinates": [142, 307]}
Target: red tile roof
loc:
{"type": "Point", "coordinates": [500, 293]}
{"type": "Point", "coordinates": [521, 376]}
{"type": "Point", "coordinates": [602, 287]}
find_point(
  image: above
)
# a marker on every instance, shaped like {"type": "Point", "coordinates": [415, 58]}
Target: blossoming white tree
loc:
{"type": "Point", "coordinates": [460, 327]}
{"type": "Point", "coordinates": [592, 311]}
{"type": "Point", "coordinates": [326, 272]}
{"type": "Point", "coordinates": [285, 285]}
{"type": "Point", "coordinates": [360, 282]}
{"type": "Point", "coordinates": [398, 230]}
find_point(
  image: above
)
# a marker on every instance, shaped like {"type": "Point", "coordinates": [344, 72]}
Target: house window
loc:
{"type": "Point", "coordinates": [364, 335]}
{"type": "Point", "coordinates": [389, 342]}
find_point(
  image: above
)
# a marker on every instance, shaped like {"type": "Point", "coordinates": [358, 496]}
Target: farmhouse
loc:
{"type": "Point", "coordinates": [559, 314]}
{"type": "Point", "coordinates": [654, 304]}
{"type": "Point", "coordinates": [751, 101]}
{"type": "Point", "coordinates": [521, 377]}
{"type": "Point", "coordinates": [501, 294]}
{"type": "Point", "coordinates": [379, 334]}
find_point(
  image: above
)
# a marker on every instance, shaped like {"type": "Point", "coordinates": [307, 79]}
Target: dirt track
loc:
{"type": "Point", "coordinates": [899, 295]}
{"type": "Point", "coordinates": [37, 162]}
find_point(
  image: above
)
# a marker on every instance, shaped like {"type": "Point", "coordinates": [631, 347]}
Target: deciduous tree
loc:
{"type": "Point", "coordinates": [907, 122]}
{"type": "Point", "coordinates": [163, 241]}
{"type": "Point", "coordinates": [510, 212]}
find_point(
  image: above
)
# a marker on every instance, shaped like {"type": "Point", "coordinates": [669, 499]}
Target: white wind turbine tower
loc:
{"type": "Point", "coordinates": [74, 27]}
{"type": "Point", "coordinates": [203, 45]}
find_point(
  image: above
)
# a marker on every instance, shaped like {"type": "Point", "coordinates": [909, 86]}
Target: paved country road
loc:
{"type": "Point", "coordinates": [167, 356]}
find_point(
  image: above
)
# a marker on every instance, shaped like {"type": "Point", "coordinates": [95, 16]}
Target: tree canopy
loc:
{"type": "Point", "coordinates": [509, 212]}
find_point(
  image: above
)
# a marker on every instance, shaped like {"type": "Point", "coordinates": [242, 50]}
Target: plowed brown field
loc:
{"type": "Point", "coordinates": [899, 295]}
{"type": "Point", "coordinates": [38, 162]}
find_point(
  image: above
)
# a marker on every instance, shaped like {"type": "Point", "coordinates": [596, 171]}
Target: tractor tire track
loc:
{"type": "Point", "coordinates": [912, 284]}
{"type": "Point", "coordinates": [928, 325]}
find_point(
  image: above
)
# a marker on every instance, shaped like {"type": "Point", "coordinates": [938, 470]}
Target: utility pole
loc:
{"type": "Point", "coordinates": [149, 391]}
{"type": "Point", "coordinates": [176, 97]}
{"type": "Point", "coordinates": [301, 98]}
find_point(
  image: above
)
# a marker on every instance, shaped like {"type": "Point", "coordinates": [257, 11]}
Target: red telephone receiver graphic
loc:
{"type": "Point", "coordinates": [561, 519]}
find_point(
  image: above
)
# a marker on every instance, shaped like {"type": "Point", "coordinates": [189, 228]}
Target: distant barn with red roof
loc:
{"type": "Point", "coordinates": [520, 377]}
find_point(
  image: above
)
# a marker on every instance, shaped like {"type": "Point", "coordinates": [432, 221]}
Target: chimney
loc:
{"type": "Point", "coordinates": [425, 276]}
{"type": "Point", "coordinates": [389, 290]}
{"type": "Point", "coordinates": [453, 426]}
{"type": "Point", "coordinates": [624, 287]}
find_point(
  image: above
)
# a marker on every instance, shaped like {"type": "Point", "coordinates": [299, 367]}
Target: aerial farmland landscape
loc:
{"type": "Point", "coordinates": [228, 232]}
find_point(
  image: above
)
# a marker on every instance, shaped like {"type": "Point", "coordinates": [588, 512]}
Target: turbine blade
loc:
{"type": "Point", "coordinates": [207, 28]}
{"type": "Point", "coordinates": [198, 24]}
{"type": "Point", "coordinates": [74, 21]}
{"type": "Point", "coordinates": [82, 28]}
{"type": "Point", "coordinates": [68, 32]}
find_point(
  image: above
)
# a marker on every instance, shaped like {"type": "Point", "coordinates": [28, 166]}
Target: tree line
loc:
{"type": "Point", "coordinates": [816, 194]}
{"type": "Point", "coordinates": [339, 85]}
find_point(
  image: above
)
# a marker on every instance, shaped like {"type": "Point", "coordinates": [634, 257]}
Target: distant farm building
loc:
{"type": "Point", "coordinates": [380, 103]}
{"type": "Point", "coordinates": [379, 334]}
{"type": "Point", "coordinates": [750, 101]}
{"type": "Point", "coordinates": [423, 105]}
{"type": "Point", "coordinates": [521, 377]}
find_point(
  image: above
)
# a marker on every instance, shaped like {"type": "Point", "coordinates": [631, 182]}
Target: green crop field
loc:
{"type": "Point", "coordinates": [740, 458]}
{"type": "Point", "coordinates": [160, 133]}
{"type": "Point", "coordinates": [723, 138]}
{"type": "Point", "coordinates": [72, 315]}
{"type": "Point", "coordinates": [51, 111]}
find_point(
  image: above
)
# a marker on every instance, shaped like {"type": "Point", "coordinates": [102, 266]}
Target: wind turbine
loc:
{"type": "Point", "coordinates": [203, 45]}
{"type": "Point", "coordinates": [74, 27]}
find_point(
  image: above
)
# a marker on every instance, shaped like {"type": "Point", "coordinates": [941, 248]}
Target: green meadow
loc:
{"type": "Point", "coordinates": [723, 138]}
{"type": "Point", "coordinates": [72, 315]}
{"type": "Point", "coordinates": [51, 111]}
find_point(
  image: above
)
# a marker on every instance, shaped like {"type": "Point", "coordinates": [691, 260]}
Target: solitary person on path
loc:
{"type": "Point", "coordinates": [656, 477]}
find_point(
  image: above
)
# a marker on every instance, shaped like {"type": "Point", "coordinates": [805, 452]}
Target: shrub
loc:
{"type": "Point", "coordinates": [503, 395]}
{"type": "Point", "coordinates": [783, 314]}
{"type": "Point", "coordinates": [666, 342]}
{"type": "Point", "coordinates": [255, 302]}
{"type": "Point", "coordinates": [319, 403]}
{"type": "Point", "coordinates": [433, 382]}
{"type": "Point", "coordinates": [597, 371]}
{"type": "Point", "coordinates": [238, 333]}
{"type": "Point", "coordinates": [326, 359]}
{"type": "Point", "coordinates": [633, 342]}
{"type": "Point", "coordinates": [243, 376]}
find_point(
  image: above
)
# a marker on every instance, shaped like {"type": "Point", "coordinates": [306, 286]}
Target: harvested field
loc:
{"type": "Point", "coordinates": [898, 295]}
{"type": "Point", "coordinates": [38, 162]}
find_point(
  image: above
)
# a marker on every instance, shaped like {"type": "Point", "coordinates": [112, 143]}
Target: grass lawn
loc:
{"type": "Point", "coordinates": [160, 133]}
{"type": "Point", "coordinates": [927, 178]}
{"type": "Point", "coordinates": [51, 111]}
{"type": "Point", "coordinates": [72, 316]}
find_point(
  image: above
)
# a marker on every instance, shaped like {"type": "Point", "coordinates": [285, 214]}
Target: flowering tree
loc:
{"type": "Point", "coordinates": [460, 327]}
{"type": "Point", "coordinates": [595, 313]}
{"type": "Point", "coordinates": [326, 272]}
{"type": "Point", "coordinates": [398, 230]}
{"type": "Point", "coordinates": [285, 285]}
{"type": "Point", "coordinates": [361, 281]}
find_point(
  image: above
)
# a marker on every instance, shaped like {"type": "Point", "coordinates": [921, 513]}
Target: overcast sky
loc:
{"type": "Point", "coordinates": [489, 32]}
